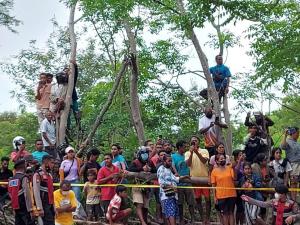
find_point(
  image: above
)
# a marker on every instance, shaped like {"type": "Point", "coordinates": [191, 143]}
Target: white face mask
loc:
{"type": "Point", "coordinates": [65, 193]}
{"type": "Point", "coordinates": [277, 196]}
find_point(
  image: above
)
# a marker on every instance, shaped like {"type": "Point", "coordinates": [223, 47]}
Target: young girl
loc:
{"type": "Point", "coordinates": [281, 168]}
{"type": "Point", "coordinates": [221, 151]}
{"type": "Point", "coordinates": [250, 180]}
{"type": "Point", "coordinates": [92, 194]}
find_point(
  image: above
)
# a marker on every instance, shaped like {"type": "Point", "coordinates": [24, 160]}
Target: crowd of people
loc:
{"type": "Point", "coordinates": [34, 197]}
{"type": "Point", "coordinates": [194, 173]}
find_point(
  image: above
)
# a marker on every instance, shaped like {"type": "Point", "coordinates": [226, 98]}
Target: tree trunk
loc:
{"type": "Point", "coordinates": [68, 100]}
{"type": "Point", "coordinates": [134, 98]}
{"type": "Point", "coordinates": [212, 93]}
{"type": "Point", "coordinates": [228, 137]}
{"type": "Point", "coordinates": [105, 107]}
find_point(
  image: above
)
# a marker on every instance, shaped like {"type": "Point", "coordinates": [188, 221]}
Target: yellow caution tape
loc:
{"type": "Point", "coordinates": [179, 187]}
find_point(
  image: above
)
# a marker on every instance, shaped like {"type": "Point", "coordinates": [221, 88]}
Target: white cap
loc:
{"type": "Point", "coordinates": [69, 148]}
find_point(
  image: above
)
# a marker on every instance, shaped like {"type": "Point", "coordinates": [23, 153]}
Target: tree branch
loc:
{"type": "Point", "coordinates": [106, 106]}
{"type": "Point", "coordinates": [68, 99]}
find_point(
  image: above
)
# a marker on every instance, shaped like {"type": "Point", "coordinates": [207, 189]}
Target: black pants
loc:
{"type": "Point", "coordinates": [23, 218]}
{"type": "Point", "coordinates": [49, 215]}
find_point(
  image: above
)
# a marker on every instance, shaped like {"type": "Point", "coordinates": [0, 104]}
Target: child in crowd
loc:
{"type": "Point", "coordinates": [251, 180]}
{"type": "Point", "coordinates": [280, 168]}
{"type": "Point", "coordinates": [114, 213]}
{"type": "Point", "coordinates": [285, 210]}
{"type": "Point", "coordinates": [92, 194]}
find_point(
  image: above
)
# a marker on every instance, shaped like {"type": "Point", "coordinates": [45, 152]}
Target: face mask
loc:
{"type": "Point", "coordinates": [277, 196]}
{"type": "Point", "coordinates": [65, 193]}
{"type": "Point", "coordinates": [222, 163]}
{"type": "Point", "coordinates": [144, 156]}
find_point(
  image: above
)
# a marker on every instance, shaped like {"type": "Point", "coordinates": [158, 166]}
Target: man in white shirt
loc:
{"type": "Point", "coordinates": [48, 134]}
{"type": "Point", "coordinates": [207, 127]}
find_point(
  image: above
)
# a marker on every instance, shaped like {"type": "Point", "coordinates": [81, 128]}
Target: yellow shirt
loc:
{"type": "Point", "coordinates": [65, 218]}
{"type": "Point", "coordinates": [198, 169]}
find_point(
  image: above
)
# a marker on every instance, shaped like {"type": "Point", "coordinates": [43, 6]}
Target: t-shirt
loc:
{"type": "Point", "coordinates": [65, 218]}
{"type": "Point", "coordinates": [48, 128]}
{"type": "Point", "coordinates": [107, 193]}
{"type": "Point", "coordinates": [198, 169]}
{"type": "Point", "coordinates": [88, 166]}
{"type": "Point", "coordinates": [210, 137]}
{"type": "Point", "coordinates": [253, 146]}
{"type": "Point", "coordinates": [180, 165]}
{"type": "Point", "coordinates": [44, 102]}
{"type": "Point", "coordinates": [93, 193]}
{"type": "Point", "coordinates": [115, 204]}
{"type": "Point", "coordinates": [223, 178]}
{"type": "Point", "coordinates": [121, 159]}
{"type": "Point", "coordinates": [117, 160]}
{"type": "Point", "coordinates": [220, 74]}
{"type": "Point", "coordinates": [67, 166]}
{"type": "Point", "coordinates": [155, 159]}
{"type": "Point", "coordinates": [37, 155]}
{"type": "Point", "coordinates": [292, 150]}
{"type": "Point", "coordinates": [22, 155]}
{"type": "Point", "coordinates": [278, 168]}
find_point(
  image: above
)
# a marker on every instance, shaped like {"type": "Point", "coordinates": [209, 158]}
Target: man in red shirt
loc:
{"type": "Point", "coordinates": [109, 174]}
{"type": "Point", "coordinates": [19, 151]}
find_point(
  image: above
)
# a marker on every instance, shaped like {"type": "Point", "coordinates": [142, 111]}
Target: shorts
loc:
{"type": "Point", "coordinates": [226, 205]}
{"type": "Point", "coordinates": [170, 207]}
{"type": "Point", "coordinates": [296, 169]}
{"type": "Point", "coordinates": [93, 210]}
{"type": "Point", "coordinates": [187, 195]}
{"type": "Point", "coordinates": [201, 192]}
{"type": "Point", "coordinates": [139, 197]}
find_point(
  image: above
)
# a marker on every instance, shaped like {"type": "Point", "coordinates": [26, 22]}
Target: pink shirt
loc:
{"type": "Point", "coordinates": [107, 193]}
{"type": "Point", "coordinates": [14, 154]}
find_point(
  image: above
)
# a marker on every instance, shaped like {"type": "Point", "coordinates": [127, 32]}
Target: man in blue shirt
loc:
{"type": "Point", "coordinates": [39, 152]}
{"type": "Point", "coordinates": [221, 78]}
{"type": "Point", "coordinates": [181, 169]}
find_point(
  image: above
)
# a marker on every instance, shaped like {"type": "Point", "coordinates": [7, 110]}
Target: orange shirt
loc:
{"type": "Point", "coordinates": [221, 177]}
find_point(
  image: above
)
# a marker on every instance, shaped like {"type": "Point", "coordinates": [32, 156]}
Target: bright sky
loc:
{"type": "Point", "coordinates": [36, 16]}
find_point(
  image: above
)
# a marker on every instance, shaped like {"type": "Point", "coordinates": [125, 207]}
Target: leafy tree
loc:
{"type": "Point", "coordinates": [12, 125]}
{"type": "Point", "coordinates": [6, 19]}
{"type": "Point", "coordinates": [275, 47]}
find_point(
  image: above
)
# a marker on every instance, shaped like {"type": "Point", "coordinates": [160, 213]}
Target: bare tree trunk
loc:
{"type": "Point", "coordinates": [134, 98]}
{"type": "Point", "coordinates": [228, 137]}
{"type": "Point", "coordinates": [212, 93]}
{"type": "Point", "coordinates": [68, 100]}
{"type": "Point", "coordinates": [105, 107]}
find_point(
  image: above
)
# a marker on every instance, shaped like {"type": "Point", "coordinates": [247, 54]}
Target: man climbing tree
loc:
{"type": "Point", "coordinates": [221, 78]}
